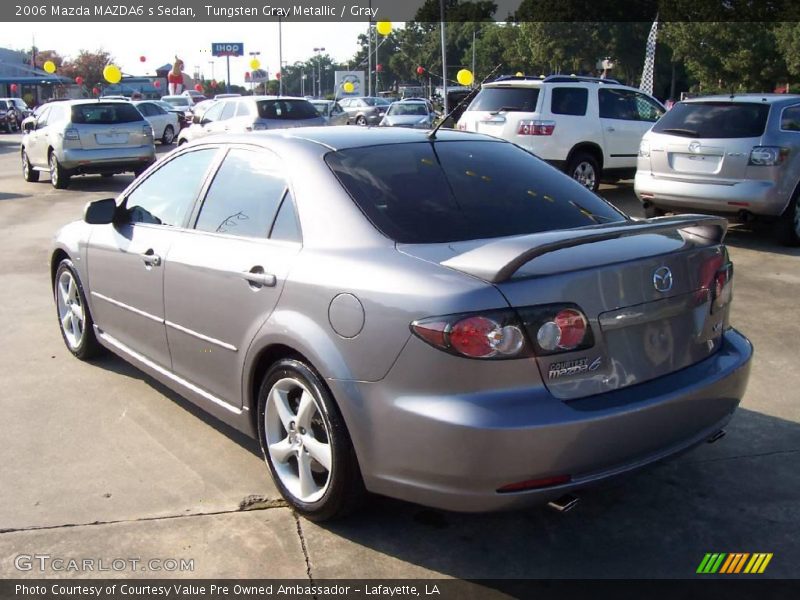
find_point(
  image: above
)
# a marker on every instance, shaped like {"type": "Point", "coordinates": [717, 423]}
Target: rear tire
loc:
{"type": "Point", "coordinates": [59, 178]}
{"type": "Point", "coordinates": [653, 211]}
{"type": "Point", "coordinates": [169, 136]}
{"type": "Point", "coordinates": [74, 319]}
{"type": "Point", "coordinates": [788, 225]}
{"type": "Point", "coordinates": [584, 168]}
{"type": "Point", "coordinates": [300, 429]}
{"type": "Point", "coordinates": [28, 172]}
{"type": "Point", "coordinates": [362, 121]}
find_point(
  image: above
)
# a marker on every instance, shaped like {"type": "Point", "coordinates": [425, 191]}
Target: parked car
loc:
{"type": "Point", "coordinates": [20, 109]}
{"type": "Point", "coordinates": [8, 116]}
{"type": "Point", "coordinates": [165, 124]}
{"type": "Point", "coordinates": [184, 103]}
{"type": "Point", "coordinates": [409, 113]}
{"type": "Point", "coordinates": [364, 110]}
{"type": "Point", "coordinates": [223, 96]}
{"type": "Point", "coordinates": [734, 155]}
{"type": "Point", "coordinates": [330, 111]}
{"type": "Point", "coordinates": [194, 95]}
{"type": "Point", "coordinates": [184, 116]}
{"type": "Point", "coordinates": [252, 113]}
{"type": "Point", "coordinates": [588, 127]}
{"type": "Point", "coordinates": [446, 320]}
{"type": "Point", "coordinates": [78, 137]}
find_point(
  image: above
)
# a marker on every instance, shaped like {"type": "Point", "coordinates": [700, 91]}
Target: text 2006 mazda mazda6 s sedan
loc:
{"type": "Point", "coordinates": [446, 320]}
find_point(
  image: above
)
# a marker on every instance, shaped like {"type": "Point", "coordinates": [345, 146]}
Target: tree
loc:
{"type": "Point", "coordinates": [88, 65]}
{"type": "Point", "coordinates": [787, 36]}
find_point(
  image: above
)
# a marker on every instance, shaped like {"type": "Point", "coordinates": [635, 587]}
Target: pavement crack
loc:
{"type": "Point", "coordinates": [738, 456]}
{"type": "Point", "coordinates": [304, 547]}
{"type": "Point", "coordinates": [250, 503]}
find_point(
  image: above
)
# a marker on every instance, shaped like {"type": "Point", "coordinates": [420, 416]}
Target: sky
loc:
{"type": "Point", "coordinates": [160, 42]}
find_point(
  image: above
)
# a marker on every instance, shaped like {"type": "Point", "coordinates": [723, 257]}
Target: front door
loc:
{"type": "Point", "coordinates": [224, 278]}
{"type": "Point", "coordinates": [622, 129]}
{"type": "Point", "coordinates": [126, 259]}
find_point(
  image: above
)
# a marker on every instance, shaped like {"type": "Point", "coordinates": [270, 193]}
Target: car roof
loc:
{"type": "Point", "coordinates": [270, 98]}
{"type": "Point", "coordinates": [753, 98]}
{"type": "Point", "coordinates": [83, 101]}
{"type": "Point", "coordinates": [340, 138]}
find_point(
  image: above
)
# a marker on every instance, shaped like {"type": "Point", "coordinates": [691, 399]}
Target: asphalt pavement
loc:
{"type": "Point", "coordinates": [99, 461]}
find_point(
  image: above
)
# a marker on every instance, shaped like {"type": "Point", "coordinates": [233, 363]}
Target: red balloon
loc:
{"type": "Point", "coordinates": [13, 88]}
{"type": "Point", "coordinates": [96, 91]}
{"type": "Point", "coordinates": [420, 70]}
{"type": "Point", "coordinates": [278, 75]}
{"type": "Point", "coordinates": [214, 84]}
{"type": "Point", "coordinates": [247, 75]}
{"type": "Point", "coordinates": [379, 67]}
{"type": "Point", "coordinates": [79, 80]}
{"type": "Point", "coordinates": [142, 58]}
{"type": "Point", "coordinates": [198, 87]}
{"type": "Point", "coordinates": [157, 84]}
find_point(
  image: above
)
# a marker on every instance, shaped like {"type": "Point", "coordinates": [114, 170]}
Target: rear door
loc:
{"type": "Point", "coordinates": [224, 276]}
{"type": "Point", "coordinates": [126, 260]}
{"type": "Point", "coordinates": [622, 129]}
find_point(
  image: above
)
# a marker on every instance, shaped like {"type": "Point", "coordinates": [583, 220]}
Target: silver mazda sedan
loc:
{"type": "Point", "coordinates": [444, 319]}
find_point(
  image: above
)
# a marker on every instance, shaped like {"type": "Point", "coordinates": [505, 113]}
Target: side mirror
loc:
{"type": "Point", "coordinates": [100, 212]}
{"type": "Point", "coordinates": [29, 126]}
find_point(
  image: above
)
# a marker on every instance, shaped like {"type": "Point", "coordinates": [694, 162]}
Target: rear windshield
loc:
{"type": "Point", "coordinates": [105, 114]}
{"type": "Point", "coordinates": [508, 99]}
{"type": "Point", "coordinates": [714, 120]}
{"type": "Point", "coordinates": [425, 192]}
{"type": "Point", "coordinates": [286, 110]}
{"type": "Point", "coordinates": [184, 101]}
{"type": "Point", "coordinates": [408, 109]}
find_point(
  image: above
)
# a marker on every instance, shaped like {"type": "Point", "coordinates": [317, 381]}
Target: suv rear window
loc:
{"type": "Point", "coordinates": [286, 110]}
{"type": "Point", "coordinates": [454, 191]}
{"type": "Point", "coordinates": [714, 120]}
{"type": "Point", "coordinates": [105, 114]}
{"type": "Point", "coordinates": [506, 98]}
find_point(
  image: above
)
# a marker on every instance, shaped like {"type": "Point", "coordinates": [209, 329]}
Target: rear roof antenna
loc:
{"type": "Point", "coordinates": [432, 133]}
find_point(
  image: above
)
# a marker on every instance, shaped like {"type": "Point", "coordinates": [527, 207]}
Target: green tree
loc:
{"type": "Point", "coordinates": [787, 36]}
{"type": "Point", "coordinates": [88, 65]}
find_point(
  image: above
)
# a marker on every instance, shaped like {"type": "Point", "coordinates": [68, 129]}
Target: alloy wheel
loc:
{"type": "Point", "coordinates": [53, 169]}
{"type": "Point", "coordinates": [585, 175]}
{"type": "Point", "coordinates": [71, 312]}
{"type": "Point", "coordinates": [26, 166]}
{"type": "Point", "coordinates": [298, 440]}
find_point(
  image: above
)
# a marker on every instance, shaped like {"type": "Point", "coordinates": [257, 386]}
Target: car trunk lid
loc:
{"type": "Point", "coordinates": [109, 125]}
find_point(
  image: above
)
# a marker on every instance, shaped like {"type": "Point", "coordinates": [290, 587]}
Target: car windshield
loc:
{"type": "Point", "coordinates": [286, 110]}
{"type": "Point", "coordinates": [426, 192]}
{"type": "Point", "coordinates": [3, 105]}
{"type": "Point", "coordinates": [105, 113]}
{"type": "Point", "coordinates": [714, 120]}
{"type": "Point", "coordinates": [400, 108]}
{"type": "Point", "coordinates": [184, 101]}
{"type": "Point", "coordinates": [508, 99]}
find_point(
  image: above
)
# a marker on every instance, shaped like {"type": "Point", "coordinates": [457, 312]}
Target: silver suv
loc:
{"type": "Point", "coordinates": [736, 155]}
{"type": "Point", "coordinates": [86, 136]}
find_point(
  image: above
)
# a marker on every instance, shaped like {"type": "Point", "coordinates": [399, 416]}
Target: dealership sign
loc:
{"type": "Point", "coordinates": [227, 48]}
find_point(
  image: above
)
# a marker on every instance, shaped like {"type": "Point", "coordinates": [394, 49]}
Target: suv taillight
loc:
{"type": "Point", "coordinates": [535, 127]}
{"type": "Point", "coordinates": [72, 134]}
{"type": "Point", "coordinates": [767, 156]}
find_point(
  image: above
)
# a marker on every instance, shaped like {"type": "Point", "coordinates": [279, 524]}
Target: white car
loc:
{"type": "Point", "coordinates": [588, 127]}
{"type": "Point", "coordinates": [165, 124]}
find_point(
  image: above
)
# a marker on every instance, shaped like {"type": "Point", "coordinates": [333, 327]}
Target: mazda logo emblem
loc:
{"type": "Point", "coordinates": [662, 279]}
{"type": "Point", "coordinates": [694, 147]}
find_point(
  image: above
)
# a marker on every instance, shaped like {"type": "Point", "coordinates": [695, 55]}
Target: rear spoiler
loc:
{"type": "Point", "coordinates": [497, 261]}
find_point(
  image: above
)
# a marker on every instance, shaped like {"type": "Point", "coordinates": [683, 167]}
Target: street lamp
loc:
{"type": "Point", "coordinates": [319, 70]}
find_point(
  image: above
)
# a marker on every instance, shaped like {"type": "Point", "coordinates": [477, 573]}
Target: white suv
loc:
{"type": "Point", "coordinates": [588, 127]}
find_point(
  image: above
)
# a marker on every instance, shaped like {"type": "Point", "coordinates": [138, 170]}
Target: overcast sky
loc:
{"type": "Point", "coordinates": [160, 42]}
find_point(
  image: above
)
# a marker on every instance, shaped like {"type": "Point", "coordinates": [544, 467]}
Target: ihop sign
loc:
{"type": "Point", "coordinates": [227, 49]}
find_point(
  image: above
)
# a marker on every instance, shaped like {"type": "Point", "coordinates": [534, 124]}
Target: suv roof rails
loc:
{"type": "Point", "coordinates": [519, 78]}
{"type": "Point", "coordinates": [582, 78]}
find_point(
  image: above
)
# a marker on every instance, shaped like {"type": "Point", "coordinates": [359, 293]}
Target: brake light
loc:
{"type": "Point", "coordinates": [566, 331]}
{"type": "Point", "coordinates": [147, 130]}
{"type": "Point", "coordinates": [767, 156]}
{"type": "Point", "coordinates": [723, 287]}
{"type": "Point", "coordinates": [72, 134]}
{"type": "Point", "coordinates": [531, 484]}
{"type": "Point", "coordinates": [535, 127]}
{"type": "Point", "coordinates": [494, 334]}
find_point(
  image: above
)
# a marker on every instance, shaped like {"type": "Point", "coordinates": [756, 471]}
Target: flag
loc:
{"type": "Point", "coordinates": [649, 60]}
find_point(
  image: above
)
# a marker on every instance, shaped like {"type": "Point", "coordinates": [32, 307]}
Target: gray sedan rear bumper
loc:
{"type": "Point", "coordinates": [455, 451]}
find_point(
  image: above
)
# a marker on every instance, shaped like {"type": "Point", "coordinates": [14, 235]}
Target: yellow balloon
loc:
{"type": "Point", "coordinates": [255, 64]}
{"type": "Point", "coordinates": [112, 74]}
{"type": "Point", "coordinates": [520, 74]}
{"type": "Point", "coordinates": [349, 87]}
{"type": "Point", "coordinates": [384, 27]}
{"type": "Point", "coordinates": [464, 77]}
{"type": "Point", "coordinates": [50, 66]}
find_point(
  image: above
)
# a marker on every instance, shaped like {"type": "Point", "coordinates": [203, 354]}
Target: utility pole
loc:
{"type": "Point", "coordinates": [473, 53]}
{"type": "Point", "coordinates": [369, 52]}
{"type": "Point", "coordinates": [280, 60]}
{"type": "Point", "coordinates": [444, 58]}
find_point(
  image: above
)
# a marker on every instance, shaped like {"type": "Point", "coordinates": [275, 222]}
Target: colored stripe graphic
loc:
{"type": "Point", "coordinates": [734, 562]}
{"type": "Point", "coordinates": [729, 563]}
{"type": "Point", "coordinates": [711, 562]}
{"type": "Point", "coordinates": [741, 562]}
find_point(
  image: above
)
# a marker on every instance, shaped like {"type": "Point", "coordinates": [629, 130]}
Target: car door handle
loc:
{"type": "Point", "coordinates": [610, 129]}
{"type": "Point", "coordinates": [258, 277]}
{"type": "Point", "coordinates": [151, 259]}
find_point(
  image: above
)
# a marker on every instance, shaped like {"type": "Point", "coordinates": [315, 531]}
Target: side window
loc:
{"type": "Point", "coordinates": [344, 103]}
{"type": "Point", "coordinates": [165, 197]}
{"type": "Point", "coordinates": [227, 111]}
{"type": "Point", "coordinates": [43, 118]}
{"type": "Point", "coordinates": [647, 110]}
{"type": "Point", "coordinates": [146, 109]}
{"type": "Point", "coordinates": [156, 110]}
{"type": "Point", "coordinates": [336, 110]}
{"type": "Point", "coordinates": [618, 104]}
{"type": "Point", "coordinates": [243, 110]}
{"type": "Point", "coordinates": [790, 119]}
{"type": "Point", "coordinates": [213, 113]}
{"type": "Point", "coordinates": [569, 101]}
{"type": "Point", "coordinates": [244, 195]}
{"type": "Point", "coordinates": [286, 226]}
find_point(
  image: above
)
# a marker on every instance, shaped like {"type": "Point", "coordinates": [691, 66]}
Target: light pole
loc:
{"type": "Point", "coordinates": [319, 70]}
{"type": "Point", "coordinates": [280, 60]}
{"type": "Point", "coordinates": [211, 62]}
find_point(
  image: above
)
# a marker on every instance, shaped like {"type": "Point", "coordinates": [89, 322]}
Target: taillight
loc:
{"type": "Point", "coordinates": [556, 328]}
{"type": "Point", "coordinates": [723, 287]}
{"type": "Point", "coordinates": [72, 134]}
{"type": "Point", "coordinates": [767, 156]}
{"type": "Point", "coordinates": [644, 149]}
{"type": "Point", "coordinates": [147, 130]}
{"type": "Point", "coordinates": [493, 334]}
{"type": "Point", "coordinates": [535, 127]}
{"type": "Point", "coordinates": [716, 281]}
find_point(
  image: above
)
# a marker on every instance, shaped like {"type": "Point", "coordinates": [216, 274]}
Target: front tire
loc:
{"type": "Point", "coordinates": [306, 444]}
{"type": "Point", "coordinates": [28, 172]}
{"type": "Point", "coordinates": [584, 168]}
{"type": "Point", "coordinates": [59, 178]}
{"type": "Point", "coordinates": [361, 121]}
{"type": "Point", "coordinates": [653, 211]}
{"type": "Point", "coordinates": [74, 319]}
{"type": "Point", "coordinates": [789, 223]}
{"type": "Point", "coordinates": [169, 136]}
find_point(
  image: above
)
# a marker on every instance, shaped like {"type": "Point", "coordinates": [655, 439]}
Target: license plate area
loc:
{"type": "Point", "coordinates": [695, 163]}
{"type": "Point", "coordinates": [111, 138]}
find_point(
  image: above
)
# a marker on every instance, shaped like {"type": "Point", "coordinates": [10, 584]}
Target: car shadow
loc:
{"type": "Point", "coordinates": [759, 237]}
{"type": "Point", "coordinates": [96, 183]}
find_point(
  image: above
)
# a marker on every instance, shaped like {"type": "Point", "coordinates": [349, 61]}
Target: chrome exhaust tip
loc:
{"type": "Point", "coordinates": [717, 436]}
{"type": "Point", "coordinates": [564, 504]}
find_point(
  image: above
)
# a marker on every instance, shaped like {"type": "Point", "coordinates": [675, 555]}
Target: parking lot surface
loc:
{"type": "Point", "coordinates": [100, 461]}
